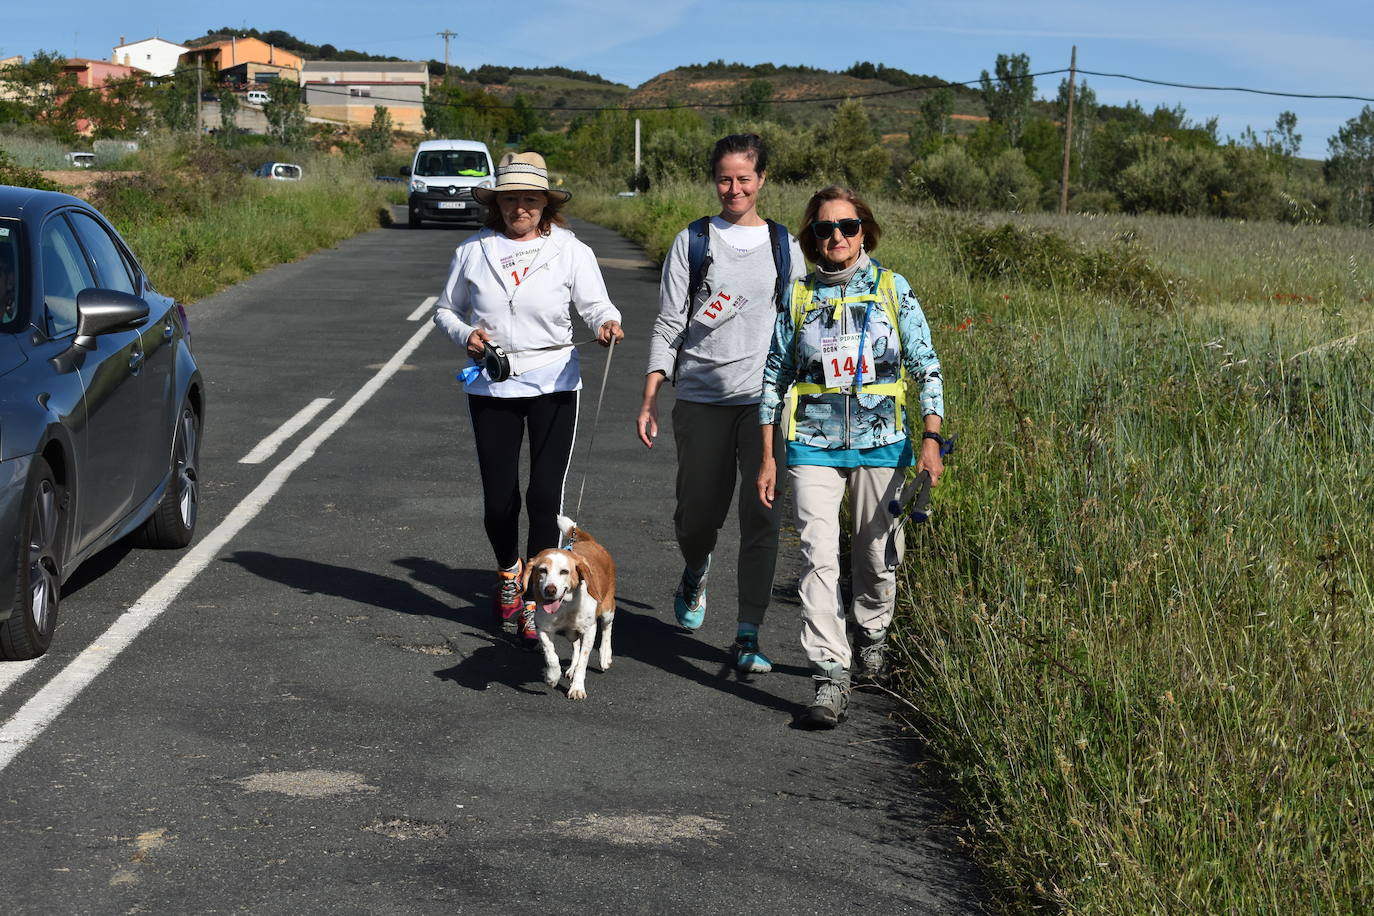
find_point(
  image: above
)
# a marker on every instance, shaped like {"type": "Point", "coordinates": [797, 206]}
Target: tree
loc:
{"type": "Point", "coordinates": [376, 137]}
{"type": "Point", "coordinates": [752, 101]}
{"type": "Point", "coordinates": [285, 114]}
{"type": "Point", "coordinates": [176, 100]}
{"type": "Point", "coordinates": [228, 118]}
{"type": "Point", "coordinates": [1084, 124]}
{"type": "Point", "coordinates": [1351, 167]}
{"type": "Point", "coordinates": [1287, 141]}
{"type": "Point", "coordinates": [35, 88]}
{"type": "Point", "coordinates": [1008, 97]}
{"type": "Point", "coordinates": [850, 151]}
{"type": "Point", "coordinates": [934, 126]}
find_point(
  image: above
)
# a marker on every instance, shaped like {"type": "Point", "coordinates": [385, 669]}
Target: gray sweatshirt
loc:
{"type": "Point", "coordinates": [721, 363]}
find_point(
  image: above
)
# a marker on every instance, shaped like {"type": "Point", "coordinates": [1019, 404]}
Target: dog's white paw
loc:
{"type": "Point", "coordinates": [551, 676]}
{"type": "Point", "coordinates": [577, 693]}
{"type": "Point", "coordinates": [605, 662]}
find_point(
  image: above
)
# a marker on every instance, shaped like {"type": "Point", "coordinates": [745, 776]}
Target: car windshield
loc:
{"type": "Point", "coordinates": [9, 275]}
{"type": "Point", "coordinates": [451, 162]}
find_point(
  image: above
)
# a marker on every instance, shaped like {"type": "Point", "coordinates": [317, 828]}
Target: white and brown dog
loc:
{"type": "Point", "coordinates": [574, 594]}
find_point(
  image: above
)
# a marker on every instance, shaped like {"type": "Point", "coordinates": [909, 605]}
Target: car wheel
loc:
{"type": "Point", "coordinates": [173, 522]}
{"type": "Point", "coordinates": [416, 222]}
{"type": "Point", "coordinates": [28, 631]}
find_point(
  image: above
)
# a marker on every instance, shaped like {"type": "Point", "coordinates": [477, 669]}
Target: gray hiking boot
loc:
{"type": "Point", "coordinates": [870, 650]}
{"type": "Point", "coordinates": [832, 695]}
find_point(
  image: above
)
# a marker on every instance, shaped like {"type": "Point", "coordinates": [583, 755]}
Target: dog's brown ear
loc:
{"type": "Point", "coordinates": [583, 570]}
{"type": "Point", "coordinates": [525, 576]}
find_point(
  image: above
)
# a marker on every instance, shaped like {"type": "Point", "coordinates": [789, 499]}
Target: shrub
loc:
{"type": "Point", "coordinates": [949, 178]}
{"type": "Point", "coordinates": [1011, 183]}
{"type": "Point", "coordinates": [1050, 261]}
{"type": "Point", "coordinates": [14, 174]}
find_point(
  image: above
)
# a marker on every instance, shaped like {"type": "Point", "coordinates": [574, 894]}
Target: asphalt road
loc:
{"type": "Point", "coordinates": [321, 716]}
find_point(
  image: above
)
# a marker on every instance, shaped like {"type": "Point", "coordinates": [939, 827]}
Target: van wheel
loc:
{"type": "Point", "coordinates": [38, 580]}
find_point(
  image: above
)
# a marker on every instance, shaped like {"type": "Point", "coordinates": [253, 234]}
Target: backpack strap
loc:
{"type": "Point", "coordinates": [698, 260]}
{"type": "Point", "coordinates": [782, 260]}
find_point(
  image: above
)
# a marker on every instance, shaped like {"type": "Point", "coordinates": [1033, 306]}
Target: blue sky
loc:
{"type": "Point", "coordinates": [1322, 47]}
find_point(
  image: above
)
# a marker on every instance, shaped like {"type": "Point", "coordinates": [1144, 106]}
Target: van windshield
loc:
{"type": "Point", "coordinates": [435, 162]}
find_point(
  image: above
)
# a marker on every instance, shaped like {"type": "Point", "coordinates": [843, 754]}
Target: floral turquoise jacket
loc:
{"type": "Point", "coordinates": [838, 419]}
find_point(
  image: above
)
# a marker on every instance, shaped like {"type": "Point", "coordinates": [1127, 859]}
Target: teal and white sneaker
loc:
{"type": "Point", "coordinates": [689, 602]}
{"type": "Point", "coordinates": [749, 658]}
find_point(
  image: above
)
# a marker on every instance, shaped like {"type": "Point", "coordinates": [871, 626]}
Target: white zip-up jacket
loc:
{"type": "Point", "coordinates": [525, 316]}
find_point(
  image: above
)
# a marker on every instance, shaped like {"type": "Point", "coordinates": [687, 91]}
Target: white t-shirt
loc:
{"type": "Point", "coordinates": [741, 238]}
{"type": "Point", "coordinates": [515, 258]}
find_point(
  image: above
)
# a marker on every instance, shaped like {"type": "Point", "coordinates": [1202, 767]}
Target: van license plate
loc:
{"type": "Point", "coordinates": [453, 205]}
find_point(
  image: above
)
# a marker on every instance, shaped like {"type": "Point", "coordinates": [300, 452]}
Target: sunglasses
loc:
{"type": "Point", "coordinates": [849, 228]}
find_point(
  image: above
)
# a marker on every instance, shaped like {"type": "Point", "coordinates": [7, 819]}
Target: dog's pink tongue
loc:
{"type": "Point", "coordinates": [552, 607]}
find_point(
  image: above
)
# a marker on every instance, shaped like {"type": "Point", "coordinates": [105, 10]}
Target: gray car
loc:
{"type": "Point", "coordinates": [101, 406]}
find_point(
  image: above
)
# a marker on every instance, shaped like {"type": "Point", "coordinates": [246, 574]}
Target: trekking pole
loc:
{"type": "Point", "coordinates": [913, 501]}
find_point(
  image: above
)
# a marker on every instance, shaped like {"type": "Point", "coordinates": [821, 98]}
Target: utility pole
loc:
{"type": "Point", "coordinates": [199, 98]}
{"type": "Point", "coordinates": [446, 35]}
{"type": "Point", "coordinates": [1068, 137]}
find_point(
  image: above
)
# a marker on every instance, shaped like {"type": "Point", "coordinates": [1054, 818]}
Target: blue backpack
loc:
{"type": "Point", "coordinates": [699, 259]}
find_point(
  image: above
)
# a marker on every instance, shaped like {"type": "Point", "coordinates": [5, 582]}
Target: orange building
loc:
{"type": "Point", "coordinates": [245, 60]}
{"type": "Point", "coordinates": [95, 74]}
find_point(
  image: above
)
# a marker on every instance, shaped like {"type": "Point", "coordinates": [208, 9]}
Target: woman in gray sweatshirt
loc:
{"type": "Point", "coordinates": [712, 346]}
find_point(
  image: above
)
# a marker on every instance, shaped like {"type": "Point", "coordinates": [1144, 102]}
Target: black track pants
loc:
{"type": "Point", "coordinates": [498, 426]}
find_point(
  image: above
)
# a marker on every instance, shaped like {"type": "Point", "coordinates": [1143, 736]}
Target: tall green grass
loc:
{"type": "Point", "coordinates": [1138, 628]}
{"type": "Point", "coordinates": [199, 222]}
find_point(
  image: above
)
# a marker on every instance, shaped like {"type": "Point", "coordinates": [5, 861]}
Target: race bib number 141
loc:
{"type": "Point", "coordinates": [720, 309]}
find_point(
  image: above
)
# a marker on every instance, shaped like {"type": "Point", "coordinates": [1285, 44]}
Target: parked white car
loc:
{"type": "Point", "coordinates": [258, 97]}
{"type": "Point", "coordinates": [281, 171]}
{"type": "Point", "coordinates": [80, 160]}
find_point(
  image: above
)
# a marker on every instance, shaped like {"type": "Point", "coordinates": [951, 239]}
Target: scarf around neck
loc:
{"type": "Point", "coordinates": [842, 276]}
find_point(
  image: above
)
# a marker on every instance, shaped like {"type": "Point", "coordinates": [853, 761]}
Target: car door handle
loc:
{"type": "Point", "coordinates": [136, 362]}
{"type": "Point", "coordinates": [167, 331]}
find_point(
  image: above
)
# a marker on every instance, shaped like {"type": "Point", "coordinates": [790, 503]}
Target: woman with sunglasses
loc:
{"type": "Point", "coordinates": [710, 341]}
{"type": "Point", "coordinates": [847, 345]}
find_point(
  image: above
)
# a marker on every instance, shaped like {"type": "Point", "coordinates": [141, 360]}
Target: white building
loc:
{"type": "Point", "coordinates": [156, 55]}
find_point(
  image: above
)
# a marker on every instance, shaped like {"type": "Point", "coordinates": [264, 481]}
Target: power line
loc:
{"type": "Point", "coordinates": [1289, 95]}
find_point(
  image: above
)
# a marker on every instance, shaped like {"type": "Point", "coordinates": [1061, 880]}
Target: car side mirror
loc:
{"type": "Point", "coordinates": [106, 311]}
{"type": "Point", "coordinates": [405, 170]}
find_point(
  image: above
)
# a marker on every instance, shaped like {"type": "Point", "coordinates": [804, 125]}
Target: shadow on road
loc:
{"type": "Point", "coordinates": [670, 648]}
{"type": "Point", "coordinates": [385, 592]}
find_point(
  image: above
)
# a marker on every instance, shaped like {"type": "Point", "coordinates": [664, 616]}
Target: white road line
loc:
{"type": "Point", "coordinates": [13, 671]}
{"type": "Point", "coordinates": [423, 309]}
{"type": "Point", "coordinates": [268, 446]}
{"type": "Point", "coordinates": [38, 713]}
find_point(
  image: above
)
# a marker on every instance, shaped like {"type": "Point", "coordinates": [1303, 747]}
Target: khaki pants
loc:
{"type": "Point", "coordinates": [816, 492]}
{"type": "Point", "coordinates": [715, 445]}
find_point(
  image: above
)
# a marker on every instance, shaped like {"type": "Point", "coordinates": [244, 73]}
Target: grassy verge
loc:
{"type": "Point", "coordinates": [198, 222]}
{"type": "Point", "coordinates": [1138, 627]}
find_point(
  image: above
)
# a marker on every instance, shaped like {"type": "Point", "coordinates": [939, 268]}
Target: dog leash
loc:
{"type": "Point", "coordinates": [596, 420]}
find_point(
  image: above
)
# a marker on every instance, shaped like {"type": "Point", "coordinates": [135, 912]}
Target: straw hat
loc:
{"type": "Point", "coordinates": [520, 172]}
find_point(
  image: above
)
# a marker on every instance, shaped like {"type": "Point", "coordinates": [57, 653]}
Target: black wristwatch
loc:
{"type": "Point", "coordinates": [934, 436]}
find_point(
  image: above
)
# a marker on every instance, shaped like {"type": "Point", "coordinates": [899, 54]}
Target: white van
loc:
{"type": "Point", "coordinates": [258, 97]}
{"type": "Point", "coordinates": [442, 176]}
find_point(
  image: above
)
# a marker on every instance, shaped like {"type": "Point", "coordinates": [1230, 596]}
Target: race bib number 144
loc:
{"type": "Point", "coordinates": [840, 358]}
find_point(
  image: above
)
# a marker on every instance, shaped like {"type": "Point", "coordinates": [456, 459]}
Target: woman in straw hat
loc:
{"type": "Point", "coordinates": [507, 303]}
